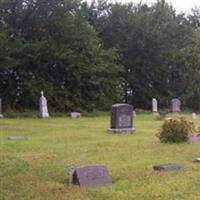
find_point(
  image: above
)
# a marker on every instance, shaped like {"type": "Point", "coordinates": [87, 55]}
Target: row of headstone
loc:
{"type": "Point", "coordinates": [97, 175]}
{"type": "Point", "coordinates": [175, 105]}
{"type": "Point", "coordinates": [120, 113]}
{"type": "Point", "coordinates": [43, 108]}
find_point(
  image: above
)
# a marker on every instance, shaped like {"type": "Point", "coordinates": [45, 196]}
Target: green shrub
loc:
{"type": "Point", "coordinates": [175, 130]}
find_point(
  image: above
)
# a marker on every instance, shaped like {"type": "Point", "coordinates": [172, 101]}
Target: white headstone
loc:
{"type": "Point", "coordinates": [175, 105]}
{"type": "Point", "coordinates": [75, 115]}
{"type": "Point", "coordinates": [1, 115]}
{"type": "Point", "coordinates": [154, 105]}
{"type": "Point", "coordinates": [43, 106]}
{"type": "Point", "coordinates": [194, 116]}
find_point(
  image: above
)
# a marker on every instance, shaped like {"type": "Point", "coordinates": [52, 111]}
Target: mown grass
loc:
{"type": "Point", "coordinates": [37, 168]}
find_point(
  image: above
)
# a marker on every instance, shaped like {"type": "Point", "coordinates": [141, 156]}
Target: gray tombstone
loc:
{"type": "Point", "coordinates": [91, 176]}
{"type": "Point", "coordinates": [154, 106]}
{"type": "Point", "coordinates": [121, 118]}
{"type": "Point", "coordinates": [43, 113]}
{"type": "Point", "coordinates": [1, 115]}
{"type": "Point", "coordinates": [168, 167]}
{"type": "Point", "coordinates": [175, 105]}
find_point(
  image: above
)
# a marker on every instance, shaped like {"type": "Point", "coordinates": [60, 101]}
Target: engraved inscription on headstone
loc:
{"type": "Point", "coordinates": [43, 106]}
{"type": "Point", "coordinates": [121, 118]}
{"type": "Point", "coordinates": [91, 176]}
{"type": "Point", "coordinates": [125, 121]}
{"type": "Point", "coordinates": [1, 115]}
{"type": "Point", "coordinates": [175, 105]}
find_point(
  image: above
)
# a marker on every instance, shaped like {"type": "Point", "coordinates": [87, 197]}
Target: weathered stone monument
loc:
{"type": "Point", "coordinates": [1, 115]}
{"type": "Point", "coordinates": [43, 113]}
{"type": "Point", "coordinates": [154, 106]}
{"type": "Point", "coordinates": [121, 118]}
{"type": "Point", "coordinates": [175, 105]}
{"type": "Point", "coordinates": [90, 176]}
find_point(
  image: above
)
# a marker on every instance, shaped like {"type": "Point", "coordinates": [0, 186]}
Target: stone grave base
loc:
{"type": "Point", "coordinates": [43, 115]}
{"type": "Point", "coordinates": [121, 130]}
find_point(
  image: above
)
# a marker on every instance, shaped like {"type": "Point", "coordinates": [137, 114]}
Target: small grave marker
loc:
{"type": "Point", "coordinates": [167, 167]}
{"type": "Point", "coordinates": [193, 116]}
{"type": "Point", "coordinates": [197, 160]}
{"type": "Point", "coordinates": [75, 114]}
{"type": "Point", "coordinates": [17, 137]}
{"type": "Point", "coordinates": [91, 176]}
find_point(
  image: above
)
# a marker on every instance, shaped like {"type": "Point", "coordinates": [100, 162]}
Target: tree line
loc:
{"type": "Point", "coordinates": [86, 56]}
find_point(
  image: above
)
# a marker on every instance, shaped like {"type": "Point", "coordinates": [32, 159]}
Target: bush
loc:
{"type": "Point", "coordinates": [175, 130]}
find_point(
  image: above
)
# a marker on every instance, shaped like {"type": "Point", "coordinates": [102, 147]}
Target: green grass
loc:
{"type": "Point", "coordinates": [37, 168]}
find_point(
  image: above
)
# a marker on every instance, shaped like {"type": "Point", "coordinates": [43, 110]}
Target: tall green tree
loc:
{"type": "Point", "coordinates": [147, 39]}
{"type": "Point", "coordinates": [56, 50]}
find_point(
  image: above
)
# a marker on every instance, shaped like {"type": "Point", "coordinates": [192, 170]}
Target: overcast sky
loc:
{"type": "Point", "coordinates": [179, 5]}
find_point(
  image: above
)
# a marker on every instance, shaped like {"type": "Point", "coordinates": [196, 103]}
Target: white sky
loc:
{"type": "Point", "coordinates": [179, 5]}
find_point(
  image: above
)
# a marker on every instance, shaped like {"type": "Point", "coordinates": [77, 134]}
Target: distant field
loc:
{"type": "Point", "coordinates": [36, 169]}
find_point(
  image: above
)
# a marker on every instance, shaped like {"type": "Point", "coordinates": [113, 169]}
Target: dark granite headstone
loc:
{"type": "Point", "coordinates": [167, 167]}
{"type": "Point", "coordinates": [121, 118]}
{"type": "Point", "coordinates": [91, 176]}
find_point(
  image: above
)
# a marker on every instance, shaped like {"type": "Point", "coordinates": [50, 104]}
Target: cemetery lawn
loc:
{"type": "Point", "coordinates": [37, 168]}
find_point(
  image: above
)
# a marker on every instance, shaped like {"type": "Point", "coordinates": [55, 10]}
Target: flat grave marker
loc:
{"type": "Point", "coordinates": [17, 137]}
{"type": "Point", "coordinates": [167, 167]}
